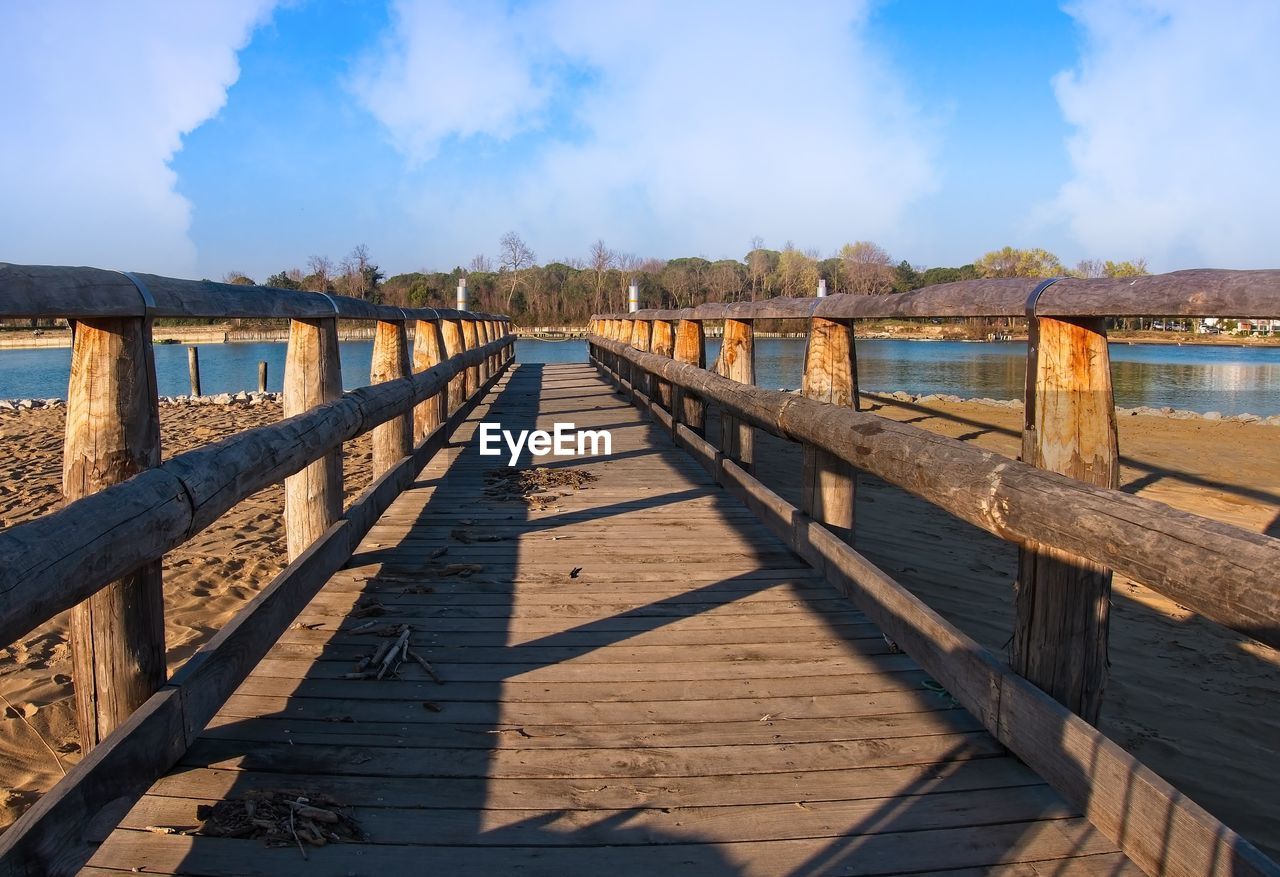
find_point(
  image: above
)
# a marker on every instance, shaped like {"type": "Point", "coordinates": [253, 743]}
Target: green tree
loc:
{"type": "Point", "coordinates": [1011, 262]}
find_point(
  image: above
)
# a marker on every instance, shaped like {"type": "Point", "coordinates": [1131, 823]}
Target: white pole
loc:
{"type": "Point", "coordinates": [633, 297]}
{"type": "Point", "coordinates": [462, 293]}
{"type": "Point", "coordinates": [822, 287]}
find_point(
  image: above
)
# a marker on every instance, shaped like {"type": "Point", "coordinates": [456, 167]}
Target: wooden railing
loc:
{"type": "Point", "coordinates": [100, 555]}
{"type": "Point", "coordinates": [1059, 504]}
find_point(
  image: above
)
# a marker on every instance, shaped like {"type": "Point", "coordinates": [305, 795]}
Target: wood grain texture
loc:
{"type": "Point", "coordinates": [691, 349]}
{"type": "Point", "coordinates": [1063, 602]}
{"type": "Point", "coordinates": [428, 352]}
{"type": "Point", "coordinates": [112, 434]}
{"type": "Point", "coordinates": [312, 377]}
{"type": "Point", "coordinates": [737, 362]}
{"type": "Point", "coordinates": [664, 344]}
{"type": "Point", "coordinates": [392, 440]}
{"type": "Point", "coordinates": [828, 484]}
{"type": "Point", "coordinates": [451, 335]}
{"type": "Point", "coordinates": [470, 341]}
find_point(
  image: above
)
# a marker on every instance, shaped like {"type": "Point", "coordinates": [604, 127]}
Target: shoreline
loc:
{"type": "Point", "coordinates": [253, 399]}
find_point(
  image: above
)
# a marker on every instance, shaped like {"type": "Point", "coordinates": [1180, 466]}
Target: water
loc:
{"type": "Point", "coordinates": [1231, 380]}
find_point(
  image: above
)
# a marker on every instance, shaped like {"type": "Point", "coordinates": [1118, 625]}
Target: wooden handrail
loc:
{"type": "Point", "coordinates": [1223, 572]}
{"type": "Point", "coordinates": [1201, 292]}
{"type": "Point", "coordinates": [52, 563]}
{"type": "Point", "coordinates": [82, 293]}
{"type": "Point", "coordinates": [1155, 825]}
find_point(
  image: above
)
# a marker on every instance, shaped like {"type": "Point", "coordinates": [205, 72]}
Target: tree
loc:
{"type": "Point", "coordinates": [867, 269]}
{"type": "Point", "coordinates": [797, 272]}
{"type": "Point", "coordinates": [359, 277]}
{"type": "Point", "coordinates": [906, 277]}
{"type": "Point", "coordinates": [321, 277]}
{"type": "Point", "coordinates": [514, 256]}
{"type": "Point", "coordinates": [480, 264]}
{"type": "Point", "coordinates": [290, 279]}
{"type": "Point", "coordinates": [601, 261]}
{"type": "Point", "coordinates": [1134, 268]}
{"type": "Point", "coordinates": [239, 278]}
{"type": "Point", "coordinates": [1011, 262]}
{"type": "Point", "coordinates": [761, 264]}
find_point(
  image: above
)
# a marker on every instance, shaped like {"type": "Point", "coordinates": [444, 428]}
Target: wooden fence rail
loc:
{"type": "Point", "coordinates": [1070, 535]}
{"type": "Point", "coordinates": [1157, 827]}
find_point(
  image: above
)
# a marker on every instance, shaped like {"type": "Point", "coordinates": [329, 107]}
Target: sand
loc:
{"type": "Point", "coordinates": [1198, 704]}
{"type": "Point", "coordinates": [206, 581]}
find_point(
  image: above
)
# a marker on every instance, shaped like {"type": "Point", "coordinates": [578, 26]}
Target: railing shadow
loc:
{"type": "Point", "coordinates": [404, 768]}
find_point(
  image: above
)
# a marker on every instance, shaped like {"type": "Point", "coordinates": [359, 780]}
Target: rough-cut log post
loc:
{"type": "Point", "coordinates": [1063, 601]}
{"type": "Point", "coordinates": [625, 330]}
{"type": "Point", "coordinates": [664, 345]}
{"type": "Point", "coordinates": [691, 348]}
{"type": "Point", "coordinates": [193, 369]}
{"type": "Point", "coordinates": [451, 332]}
{"type": "Point", "coordinates": [113, 433]}
{"type": "Point", "coordinates": [428, 351]}
{"type": "Point", "coordinates": [312, 376]}
{"type": "Point", "coordinates": [472, 341]}
{"type": "Point", "coordinates": [483, 338]}
{"type": "Point", "coordinates": [640, 332]}
{"type": "Point", "coordinates": [393, 440]}
{"type": "Point", "coordinates": [262, 376]}
{"type": "Point", "coordinates": [828, 484]}
{"type": "Point", "coordinates": [738, 363]}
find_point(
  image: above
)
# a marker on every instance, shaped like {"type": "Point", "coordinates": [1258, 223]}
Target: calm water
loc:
{"type": "Point", "coordinates": [1202, 378]}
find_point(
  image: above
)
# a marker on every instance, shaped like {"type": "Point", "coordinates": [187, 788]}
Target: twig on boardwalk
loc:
{"type": "Point", "coordinates": [402, 643]}
{"type": "Point", "coordinates": [431, 671]}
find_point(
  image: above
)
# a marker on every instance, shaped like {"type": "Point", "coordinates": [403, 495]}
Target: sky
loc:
{"type": "Point", "coordinates": [194, 139]}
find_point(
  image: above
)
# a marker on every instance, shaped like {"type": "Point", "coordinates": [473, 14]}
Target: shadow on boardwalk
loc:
{"type": "Point", "coordinates": [542, 754]}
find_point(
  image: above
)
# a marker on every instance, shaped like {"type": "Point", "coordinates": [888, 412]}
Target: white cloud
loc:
{"type": "Point", "coordinates": [97, 98]}
{"type": "Point", "coordinates": [1176, 130]}
{"type": "Point", "coordinates": [667, 127]}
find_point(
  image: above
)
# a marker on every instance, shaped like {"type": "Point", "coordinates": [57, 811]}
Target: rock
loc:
{"type": "Point", "coordinates": [242, 396]}
{"type": "Point", "coordinates": [26, 403]}
{"type": "Point", "coordinates": [1274, 420]}
{"type": "Point", "coordinates": [1244, 418]}
{"type": "Point", "coordinates": [222, 399]}
{"type": "Point", "coordinates": [950, 398]}
{"type": "Point", "coordinates": [903, 397]}
{"type": "Point", "coordinates": [1212, 415]}
{"type": "Point", "coordinates": [1166, 410]}
{"type": "Point", "coordinates": [1183, 414]}
{"type": "Point", "coordinates": [6, 405]}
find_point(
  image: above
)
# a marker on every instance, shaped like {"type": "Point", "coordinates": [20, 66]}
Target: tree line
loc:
{"type": "Point", "coordinates": [568, 291]}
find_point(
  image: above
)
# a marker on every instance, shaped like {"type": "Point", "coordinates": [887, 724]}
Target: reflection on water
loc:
{"type": "Point", "coordinates": [1201, 378]}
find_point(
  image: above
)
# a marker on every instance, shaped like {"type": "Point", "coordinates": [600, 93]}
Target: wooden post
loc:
{"type": "Point", "coordinates": [663, 345]}
{"type": "Point", "coordinates": [312, 376]}
{"type": "Point", "coordinates": [827, 483]}
{"type": "Point", "coordinates": [262, 376]}
{"type": "Point", "coordinates": [482, 338]}
{"type": "Point", "coordinates": [428, 352]}
{"type": "Point", "coordinates": [691, 348]}
{"type": "Point", "coordinates": [393, 440]}
{"type": "Point", "coordinates": [1062, 601]}
{"type": "Point", "coordinates": [112, 434]}
{"type": "Point", "coordinates": [451, 332]}
{"type": "Point", "coordinates": [640, 341]}
{"type": "Point", "coordinates": [193, 369]}
{"type": "Point", "coordinates": [738, 363]}
{"type": "Point", "coordinates": [472, 341]}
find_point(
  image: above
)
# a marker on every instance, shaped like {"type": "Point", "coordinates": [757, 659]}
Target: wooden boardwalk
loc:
{"type": "Point", "coordinates": [640, 679]}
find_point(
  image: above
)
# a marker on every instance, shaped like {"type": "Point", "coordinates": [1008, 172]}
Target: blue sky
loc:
{"type": "Point", "coordinates": [248, 135]}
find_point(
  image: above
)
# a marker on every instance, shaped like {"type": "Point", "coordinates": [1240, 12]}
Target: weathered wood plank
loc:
{"type": "Point", "coordinates": [828, 485]}
{"type": "Point", "coordinates": [392, 440]}
{"type": "Point", "coordinates": [737, 363]}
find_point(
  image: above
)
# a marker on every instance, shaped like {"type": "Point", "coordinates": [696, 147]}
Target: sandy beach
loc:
{"type": "Point", "coordinates": [1199, 704]}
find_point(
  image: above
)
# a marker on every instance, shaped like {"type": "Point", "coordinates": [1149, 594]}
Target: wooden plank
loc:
{"type": "Point", "coordinates": [470, 341]}
{"type": "Point", "coordinates": [113, 433]}
{"type": "Point", "coordinates": [857, 855]}
{"type": "Point", "coordinates": [841, 784]}
{"type": "Point", "coordinates": [451, 335]}
{"type": "Point", "coordinates": [1063, 602]}
{"type": "Point", "coordinates": [312, 377]}
{"type": "Point", "coordinates": [392, 440]}
{"type": "Point", "coordinates": [690, 348]}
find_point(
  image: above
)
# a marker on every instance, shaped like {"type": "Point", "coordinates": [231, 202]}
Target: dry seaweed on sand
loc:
{"type": "Point", "coordinates": [281, 818]}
